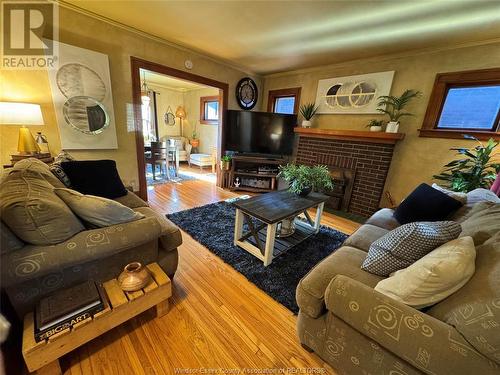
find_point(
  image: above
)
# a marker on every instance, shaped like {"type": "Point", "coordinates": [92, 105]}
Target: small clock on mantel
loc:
{"type": "Point", "coordinates": [246, 93]}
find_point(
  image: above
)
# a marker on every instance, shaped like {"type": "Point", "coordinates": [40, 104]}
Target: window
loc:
{"type": "Point", "coordinates": [464, 103]}
{"type": "Point", "coordinates": [284, 101]}
{"type": "Point", "coordinates": [209, 110]}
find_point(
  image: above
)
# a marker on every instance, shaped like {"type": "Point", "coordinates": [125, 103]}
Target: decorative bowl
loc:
{"type": "Point", "coordinates": [134, 277]}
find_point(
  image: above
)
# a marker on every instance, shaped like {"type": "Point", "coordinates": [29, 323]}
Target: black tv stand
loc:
{"type": "Point", "coordinates": [254, 173]}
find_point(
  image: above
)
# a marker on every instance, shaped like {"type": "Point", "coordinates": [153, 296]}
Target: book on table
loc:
{"type": "Point", "coordinates": [66, 308]}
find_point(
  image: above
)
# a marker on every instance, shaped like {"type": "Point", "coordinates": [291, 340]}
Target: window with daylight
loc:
{"type": "Point", "coordinates": [464, 103]}
{"type": "Point", "coordinates": [284, 101]}
{"type": "Point", "coordinates": [209, 110]}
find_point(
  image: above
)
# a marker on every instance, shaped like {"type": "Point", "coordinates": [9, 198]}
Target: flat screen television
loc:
{"type": "Point", "coordinates": [260, 133]}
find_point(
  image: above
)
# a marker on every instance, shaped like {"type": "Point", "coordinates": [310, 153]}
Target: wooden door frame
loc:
{"type": "Point", "coordinates": [136, 64]}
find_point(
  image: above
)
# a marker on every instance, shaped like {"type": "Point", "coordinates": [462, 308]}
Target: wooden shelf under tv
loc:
{"type": "Point", "coordinates": [239, 160]}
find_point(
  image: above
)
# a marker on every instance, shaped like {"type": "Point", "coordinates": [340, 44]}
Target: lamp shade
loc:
{"type": "Point", "coordinates": [20, 114]}
{"type": "Point", "coordinates": [180, 112]}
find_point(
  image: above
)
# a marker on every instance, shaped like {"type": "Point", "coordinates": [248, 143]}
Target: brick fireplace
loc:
{"type": "Point", "coordinates": [364, 157]}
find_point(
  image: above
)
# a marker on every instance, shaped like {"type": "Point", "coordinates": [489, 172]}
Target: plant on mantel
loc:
{"type": "Point", "coordinates": [308, 110]}
{"type": "Point", "coordinates": [375, 125]}
{"type": "Point", "coordinates": [476, 168]}
{"type": "Point", "coordinates": [303, 179]}
{"type": "Point", "coordinates": [393, 107]}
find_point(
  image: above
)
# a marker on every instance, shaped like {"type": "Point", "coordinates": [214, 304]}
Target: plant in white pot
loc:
{"type": "Point", "coordinates": [375, 125]}
{"type": "Point", "coordinates": [307, 111]}
{"type": "Point", "coordinates": [393, 107]}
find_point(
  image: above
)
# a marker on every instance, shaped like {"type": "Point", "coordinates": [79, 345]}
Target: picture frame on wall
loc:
{"type": "Point", "coordinates": [83, 99]}
{"type": "Point", "coordinates": [355, 94]}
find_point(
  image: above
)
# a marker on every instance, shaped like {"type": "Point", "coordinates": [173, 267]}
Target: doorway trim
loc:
{"type": "Point", "coordinates": [136, 64]}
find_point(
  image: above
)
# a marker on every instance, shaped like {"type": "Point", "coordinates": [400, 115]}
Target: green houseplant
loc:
{"type": "Point", "coordinates": [476, 167]}
{"type": "Point", "coordinates": [393, 107]}
{"type": "Point", "coordinates": [225, 162]}
{"type": "Point", "coordinates": [375, 125]}
{"type": "Point", "coordinates": [308, 110]}
{"type": "Point", "coordinates": [303, 179]}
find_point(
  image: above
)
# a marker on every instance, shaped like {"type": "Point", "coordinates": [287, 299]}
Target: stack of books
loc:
{"type": "Point", "coordinates": [66, 308]}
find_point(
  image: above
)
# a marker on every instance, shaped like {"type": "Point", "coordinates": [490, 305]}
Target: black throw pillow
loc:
{"type": "Point", "coordinates": [95, 177]}
{"type": "Point", "coordinates": [426, 204]}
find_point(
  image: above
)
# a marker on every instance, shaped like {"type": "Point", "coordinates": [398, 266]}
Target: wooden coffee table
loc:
{"type": "Point", "coordinates": [43, 357]}
{"type": "Point", "coordinates": [270, 209]}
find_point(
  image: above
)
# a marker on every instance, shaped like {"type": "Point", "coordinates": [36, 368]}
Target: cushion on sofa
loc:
{"type": "Point", "coordinates": [34, 213]}
{"type": "Point", "coordinates": [365, 236]}
{"type": "Point", "coordinates": [95, 177]}
{"type": "Point", "coordinates": [98, 211]}
{"type": "Point", "coordinates": [461, 197]}
{"type": "Point", "coordinates": [426, 204]}
{"type": "Point", "coordinates": [38, 166]}
{"type": "Point", "coordinates": [474, 197]}
{"type": "Point", "coordinates": [406, 244]}
{"type": "Point", "coordinates": [483, 222]}
{"type": "Point", "coordinates": [384, 218]}
{"type": "Point", "coordinates": [131, 200]}
{"type": "Point", "coordinates": [344, 261]}
{"type": "Point", "coordinates": [434, 277]}
{"type": "Point", "coordinates": [8, 240]}
{"type": "Point", "coordinates": [57, 169]}
{"type": "Point", "coordinates": [474, 310]}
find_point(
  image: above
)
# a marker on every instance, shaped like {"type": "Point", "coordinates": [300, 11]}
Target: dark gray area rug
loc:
{"type": "Point", "coordinates": [213, 226]}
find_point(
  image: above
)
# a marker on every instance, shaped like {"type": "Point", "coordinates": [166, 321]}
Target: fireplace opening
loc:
{"type": "Point", "coordinates": [343, 183]}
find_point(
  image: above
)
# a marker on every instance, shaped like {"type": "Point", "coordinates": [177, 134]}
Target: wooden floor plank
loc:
{"type": "Point", "coordinates": [217, 318]}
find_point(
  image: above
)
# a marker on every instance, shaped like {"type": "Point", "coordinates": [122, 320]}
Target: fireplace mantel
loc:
{"type": "Point", "coordinates": [353, 135]}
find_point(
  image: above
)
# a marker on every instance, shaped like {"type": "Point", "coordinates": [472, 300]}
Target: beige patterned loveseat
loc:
{"type": "Point", "coordinates": [360, 331]}
{"type": "Point", "coordinates": [29, 272]}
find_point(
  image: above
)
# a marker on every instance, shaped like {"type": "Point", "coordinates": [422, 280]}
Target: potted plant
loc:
{"type": "Point", "coordinates": [225, 162]}
{"type": "Point", "coordinates": [476, 167]}
{"type": "Point", "coordinates": [303, 179]}
{"type": "Point", "coordinates": [393, 107]}
{"type": "Point", "coordinates": [195, 142]}
{"type": "Point", "coordinates": [307, 111]}
{"type": "Point", "coordinates": [375, 125]}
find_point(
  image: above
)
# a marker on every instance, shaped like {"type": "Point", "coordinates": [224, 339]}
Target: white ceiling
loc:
{"type": "Point", "coordinates": [274, 36]}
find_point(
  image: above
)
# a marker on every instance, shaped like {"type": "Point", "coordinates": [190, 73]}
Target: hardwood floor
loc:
{"type": "Point", "coordinates": [217, 320]}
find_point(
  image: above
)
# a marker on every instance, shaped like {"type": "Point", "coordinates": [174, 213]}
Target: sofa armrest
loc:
{"type": "Point", "coordinates": [32, 261]}
{"type": "Point", "coordinates": [427, 343]}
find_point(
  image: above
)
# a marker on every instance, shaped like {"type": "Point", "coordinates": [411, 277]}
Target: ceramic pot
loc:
{"type": "Point", "coordinates": [392, 127]}
{"type": "Point", "coordinates": [305, 192]}
{"type": "Point", "coordinates": [134, 277]}
{"type": "Point", "coordinates": [225, 165]}
{"type": "Point", "coordinates": [195, 142]}
{"type": "Point", "coordinates": [375, 128]}
{"type": "Point", "coordinates": [286, 227]}
{"type": "Point", "coordinates": [306, 123]}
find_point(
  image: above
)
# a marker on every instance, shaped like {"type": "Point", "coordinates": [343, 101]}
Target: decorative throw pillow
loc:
{"type": "Point", "coordinates": [95, 177]}
{"type": "Point", "coordinates": [33, 212]}
{"type": "Point", "coordinates": [461, 197]}
{"type": "Point", "coordinates": [57, 170]}
{"type": "Point", "coordinates": [406, 244]}
{"type": "Point", "coordinates": [434, 277]}
{"type": "Point", "coordinates": [37, 166]}
{"type": "Point", "coordinates": [98, 211]}
{"type": "Point", "coordinates": [426, 204]}
{"type": "Point", "coordinates": [483, 222]}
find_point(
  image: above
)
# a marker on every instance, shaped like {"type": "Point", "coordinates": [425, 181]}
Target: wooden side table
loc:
{"type": "Point", "coordinates": [43, 357]}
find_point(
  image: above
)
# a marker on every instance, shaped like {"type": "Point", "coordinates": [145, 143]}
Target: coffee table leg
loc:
{"type": "Point", "coordinates": [51, 368]}
{"type": "Point", "coordinates": [238, 226]}
{"type": "Point", "coordinates": [270, 237]}
{"type": "Point", "coordinates": [317, 221]}
{"type": "Point", "coordinates": [162, 308]}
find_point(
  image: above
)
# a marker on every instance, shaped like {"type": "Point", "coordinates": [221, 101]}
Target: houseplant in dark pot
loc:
{"type": "Point", "coordinates": [393, 107]}
{"type": "Point", "coordinates": [303, 179]}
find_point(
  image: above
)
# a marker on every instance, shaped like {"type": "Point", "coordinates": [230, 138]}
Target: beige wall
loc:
{"type": "Point", "coordinates": [207, 134]}
{"type": "Point", "coordinates": [415, 159]}
{"type": "Point", "coordinates": [119, 44]}
{"type": "Point", "coordinates": [167, 97]}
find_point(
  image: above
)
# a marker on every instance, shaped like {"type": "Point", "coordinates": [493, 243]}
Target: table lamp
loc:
{"type": "Point", "coordinates": [23, 114]}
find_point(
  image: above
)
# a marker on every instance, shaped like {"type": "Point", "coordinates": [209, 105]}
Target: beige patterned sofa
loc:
{"type": "Point", "coordinates": [29, 272]}
{"type": "Point", "coordinates": [360, 331]}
